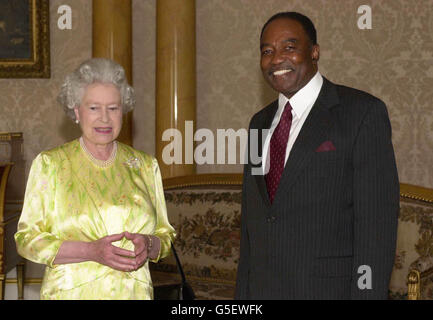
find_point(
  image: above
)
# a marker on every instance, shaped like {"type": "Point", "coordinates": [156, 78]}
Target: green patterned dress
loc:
{"type": "Point", "coordinates": [70, 196]}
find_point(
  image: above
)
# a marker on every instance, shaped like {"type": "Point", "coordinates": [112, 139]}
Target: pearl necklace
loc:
{"type": "Point", "coordinates": [98, 162]}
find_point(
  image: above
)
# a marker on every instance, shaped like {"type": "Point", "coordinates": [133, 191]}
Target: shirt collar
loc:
{"type": "Point", "coordinates": [302, 99]}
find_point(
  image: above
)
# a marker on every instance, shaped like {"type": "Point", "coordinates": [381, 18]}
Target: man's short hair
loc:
{"type": "Point", "coordinates": [306, 23]}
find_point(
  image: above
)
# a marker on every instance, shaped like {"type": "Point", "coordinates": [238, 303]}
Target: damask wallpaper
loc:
{"type": "Point", "coordinates": [392, 61]}
{"type": "Point", "coordinates": [29, 105]}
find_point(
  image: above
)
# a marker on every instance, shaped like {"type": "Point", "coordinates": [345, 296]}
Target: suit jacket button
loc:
{"type": "Point", "coordinates": [270, 219]}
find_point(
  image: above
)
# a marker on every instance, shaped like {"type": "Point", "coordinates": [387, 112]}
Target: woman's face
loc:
{"type": "Point", "coordinates": [100, 114]}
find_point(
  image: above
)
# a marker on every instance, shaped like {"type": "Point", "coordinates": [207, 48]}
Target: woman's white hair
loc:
{"type": "Point", "coordinates": [96, 70]}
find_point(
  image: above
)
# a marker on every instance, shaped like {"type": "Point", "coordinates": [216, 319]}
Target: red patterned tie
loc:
{"type": "Point", "coordinates": [277, 153]}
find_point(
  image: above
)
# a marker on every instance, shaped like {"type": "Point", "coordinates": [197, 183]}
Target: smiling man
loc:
{"type": "Point", "coordinates": [321, 221]}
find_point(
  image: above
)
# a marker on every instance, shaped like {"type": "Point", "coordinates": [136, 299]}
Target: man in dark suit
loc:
{"type": "Point", "coordinates": [320, 222]}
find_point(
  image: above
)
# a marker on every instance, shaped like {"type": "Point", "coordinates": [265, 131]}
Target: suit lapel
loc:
{"type": "Point", "coordinates": [313, 133]}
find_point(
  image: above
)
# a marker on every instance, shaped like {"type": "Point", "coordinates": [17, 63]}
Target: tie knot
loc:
{"type": "Point", "coordinates": [288, 106]}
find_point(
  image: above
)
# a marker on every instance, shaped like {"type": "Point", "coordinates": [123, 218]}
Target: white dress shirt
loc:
{"type": "Point", "coordinates": [301, 102]}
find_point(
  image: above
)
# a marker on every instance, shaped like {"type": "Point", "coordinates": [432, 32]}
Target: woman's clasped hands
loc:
{"type": "Point", "coordinates": [104, 252]}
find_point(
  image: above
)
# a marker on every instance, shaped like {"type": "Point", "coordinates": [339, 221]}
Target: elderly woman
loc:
{"type": "Point", "coordinates": [94, 209]}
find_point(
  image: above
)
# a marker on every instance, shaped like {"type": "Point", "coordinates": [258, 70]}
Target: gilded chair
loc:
{"type": "Point", "coordinates": [9, 257]}
{"type": "Point", "coordinates": [412, 276]}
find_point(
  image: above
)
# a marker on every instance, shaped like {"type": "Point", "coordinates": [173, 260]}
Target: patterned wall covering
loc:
{"type": "Point", "coordinates": [392, 61]}
{"type": "Point", "coordinates": [29, 105]}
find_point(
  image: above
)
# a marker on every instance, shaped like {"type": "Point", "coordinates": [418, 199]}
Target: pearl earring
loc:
{"type": "Point", "coordinates": [77, 121]}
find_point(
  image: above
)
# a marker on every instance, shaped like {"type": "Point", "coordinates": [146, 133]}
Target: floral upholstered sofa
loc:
{"type": "Point", "coordinates": [205, 211]}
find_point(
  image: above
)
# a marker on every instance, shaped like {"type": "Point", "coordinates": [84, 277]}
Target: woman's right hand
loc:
{"type": "Point", "coordinates": [104, 252]}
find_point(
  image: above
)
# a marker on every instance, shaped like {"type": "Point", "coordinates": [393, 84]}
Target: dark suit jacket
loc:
{"type": "Point", "coordinates": [333, 212]}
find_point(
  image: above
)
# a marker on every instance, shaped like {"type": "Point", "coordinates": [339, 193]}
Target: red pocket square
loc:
{"type": "Point", "coordinates": [326, 146]}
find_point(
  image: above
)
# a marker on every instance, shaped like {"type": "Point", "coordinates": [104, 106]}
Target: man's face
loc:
{"type": "Point", "coordinates": [288, 59]}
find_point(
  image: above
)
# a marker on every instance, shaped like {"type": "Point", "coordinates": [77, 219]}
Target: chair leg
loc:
{"type": "Point", "coordinates": [20, 280]}
{"type": "Point", "coordinates": [2, 286]}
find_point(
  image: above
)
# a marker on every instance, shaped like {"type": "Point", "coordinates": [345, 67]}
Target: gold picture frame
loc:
{"type": "Point", "coordinates": [24, 39]}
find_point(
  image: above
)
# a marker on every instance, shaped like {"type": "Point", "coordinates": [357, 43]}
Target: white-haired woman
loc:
{"type": "Point", "coordinates": [94, 209]}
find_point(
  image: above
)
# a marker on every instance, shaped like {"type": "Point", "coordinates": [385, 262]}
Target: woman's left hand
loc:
{"type": "Point", "coordinates": [141, 247]}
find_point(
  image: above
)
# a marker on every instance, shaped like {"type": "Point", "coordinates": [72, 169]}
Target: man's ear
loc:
{"type": "Point", "coordinates": [315, 53]}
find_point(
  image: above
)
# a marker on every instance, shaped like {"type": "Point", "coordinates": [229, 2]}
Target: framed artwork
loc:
{"type": "Point", "coordinates": [24, 39]}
